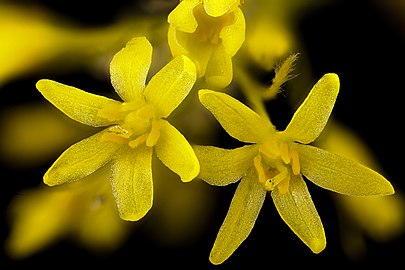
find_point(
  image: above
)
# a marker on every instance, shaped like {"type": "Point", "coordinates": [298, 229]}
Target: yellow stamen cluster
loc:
{"type": "Point", "coordinates": [138, 125]}
{"type": "Point", "coordinates": [275, 163]}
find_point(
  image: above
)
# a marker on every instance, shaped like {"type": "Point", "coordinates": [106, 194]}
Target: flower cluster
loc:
{"type": "Point", "coordinates": [204, 38]}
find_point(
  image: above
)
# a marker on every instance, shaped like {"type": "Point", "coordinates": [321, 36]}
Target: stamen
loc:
{"type": "Point", "coordinates": [138, 141]}
{"type": "Point", "coordinates": [283, 173]}
{"type": "Point", "coordinates": [116, 134]}
{"type": "Point", "coordinates": [296, 168]}
{"type": "Point", "coordinates": [154, 134]}
{"type": "Point", "coordinates": [257, 162]}
{"type": "Point", "coordinates": [118, 130]}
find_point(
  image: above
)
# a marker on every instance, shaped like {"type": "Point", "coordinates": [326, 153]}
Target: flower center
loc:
{"type": "Point", "coordinates": [138, 125]}
{"type": "Point", "coordinates": [276, 162]}
{"type": "Point", "coordinates": [209, 28]}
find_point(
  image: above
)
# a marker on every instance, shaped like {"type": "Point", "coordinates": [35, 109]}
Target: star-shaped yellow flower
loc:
{"type": "Point", "coordinates": [210, 33]}
{"type": "Point", "coordinates": [276, 161]}
{"type": "Point", "coordinates": [134, 128]}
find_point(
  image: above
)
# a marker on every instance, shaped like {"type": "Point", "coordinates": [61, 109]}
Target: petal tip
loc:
{"type": "Point", "coordinates": [332, 78]}
{"type": "Point", "coordinates": [133, 216]}
{"type": "Point", "coordinates": [193, 174]}
{"type": "Point", "coordinates": [317, 245]}
{"type": "Point", "coordinates": [42, 84]}
{"type": "Point", "coordinates": [189, 65]}
{"type": "Point", "coordinates": [218, 82]}
{"type": "Point", "coordinates": [215, 259]}
{"type": "Point", "coordinates": [47, 180]}
{"type": "Point", "coordinates": [390, 189]}
{"type": "Point", "coordinates": [203, 92]}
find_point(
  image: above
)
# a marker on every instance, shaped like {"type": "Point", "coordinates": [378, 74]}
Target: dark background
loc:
{"type": "Point", "coordinates": [363, 42]}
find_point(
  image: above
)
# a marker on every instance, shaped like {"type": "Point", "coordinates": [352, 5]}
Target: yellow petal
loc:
{"type": "Point", "coordinates": [217, 8]}
{"type": "Point", "coordinates": [237, 119]}
{"type": "Point", "coordinates": [175, 42]}
{"type": "Point", "coordinates": [129, 68]}
{"type": "Point", "coordinates": [340, 174]}
{"type": "Point", "coordinates": [75, 103]}
{"type": "Point", "coordinates": [132, 184]}
{"type": "Point", "coordinates": [298, 211]}
{"type": "Point", "coordinates": [220, 167]}
{"type": "Point", "coordinates": [170, 86]}
{"type": "Point", "coordinates": [80, 160]}
{"type": "Point", "coordinates": [176, 153]}
{"type": "Point", "coordinates": [182, 17]}
{"type": "Point", "coordinates": [219, 70]}
{"type": "Point", "coordinates": [313, 114]}
{"type": "Point", "coordinates": [233, 35]}
{"type": "Point", "coordinates": [240, 219]}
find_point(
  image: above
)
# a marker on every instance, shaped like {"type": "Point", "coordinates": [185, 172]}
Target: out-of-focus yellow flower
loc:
{"type": "Point", "coordinates": [31, 133]}
{"type": "Point", "coordinates": [136, 127]}
{"type": "Point", "coordinates": [210, 33]}
{"type": "Point", "coordinates": [33, 38]}
{"type": "Point", "coordinates": [276, 162]}
{"type": "Point", "coordinates": [84, 211]}
{"type": "Point", "coordinates": [273, 34]}
{"type": "Point", "coordinates": [381, 218]}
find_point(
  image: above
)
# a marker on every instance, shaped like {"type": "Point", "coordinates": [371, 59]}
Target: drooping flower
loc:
{"type": "Point", "coordinates": [84, 211]}
{"type": "Point", "coordinates": [275, 162]}
{"type": "Point", "coordinates": [380, 218]}
{"type": "Point", "coordinates": [210, 33]}
{"type": "Point", "coordinates": [134, 129]}
{"type": "Point", "coordinates": [54, 39]}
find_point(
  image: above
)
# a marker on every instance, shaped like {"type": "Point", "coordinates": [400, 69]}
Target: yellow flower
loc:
{"type": "Point", "coordinates": [136, 127]}
{"type": "Point", "coordinates": [381, 218]}
{"type": "Point", "coordinates": [210, 33]}
{"type": "Point", "coordinates": [54, 39]}
{"type": "Point", "coordinates": [276, 161]}
{"type": "Point", "coordinates": [83, 210]}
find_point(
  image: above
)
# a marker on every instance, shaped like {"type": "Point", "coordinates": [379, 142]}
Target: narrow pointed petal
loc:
{"type": "Point", "coordinates": [240, 219]}
{"type": "Point", "coordinates": [217, 8]}
{"type": "Point", "coordinates": [220, 167]}
{"type": "Point", "coordinates": [129, 68]}
{"type": "Point", "coordinates": [298, 211]}
{"type": "Point", "coordinates": [75, 103]}
{"type": "Point", "coordinates": [80, 160]}
{"type": "Point", "coordinates": [237, 119]}
{"type": "Point", "coordinates": [219, 72]}
{"type": "Point", "coordinates": [233, 35]}
{"type": "Point", "coordinates": [340, 174]}
{"type": "Point", "coordinates": [311, 117]}
{"type": "Point", "coordinates": [176, 153]}
{"type": "Point", "coordinates": [170, 86]}
{"type": "Point", "coordinates": [132, 184]}
{"type": "Point", "coordinates": [182, 17]}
